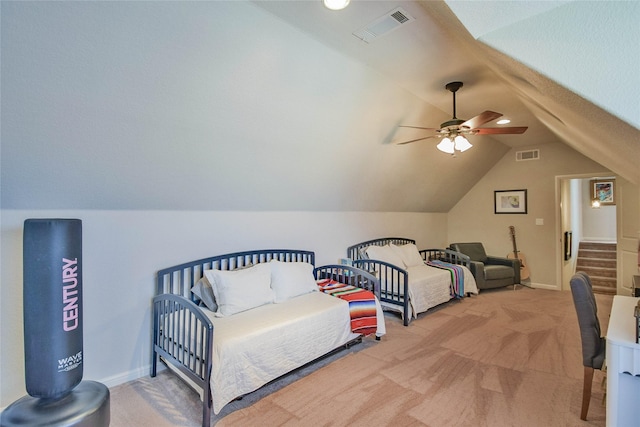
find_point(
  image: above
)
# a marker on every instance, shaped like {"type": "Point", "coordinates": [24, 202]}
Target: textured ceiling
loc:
{"type": "Point", "coordinates": [580, 65]}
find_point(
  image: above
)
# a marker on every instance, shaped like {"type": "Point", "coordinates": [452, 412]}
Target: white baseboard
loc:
{"type": "Point", "coordinates": [543, 286]}
{"type": "Point", "coordinates": [598, 240]}
{"type": "Point", "coordinates": [129, 376]}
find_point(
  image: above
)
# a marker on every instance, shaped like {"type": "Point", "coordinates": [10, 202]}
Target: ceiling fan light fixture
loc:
{"type": "Point", "coordinates": [446, 146]}
{"type": "Point", "coordinates": [462, 143]}
{"type": "Point", "coordinates": [335, 4]}
{"type": "Point", "coordinates": [454, 130]}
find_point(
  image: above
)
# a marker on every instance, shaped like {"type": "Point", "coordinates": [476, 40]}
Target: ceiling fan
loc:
{"type": "Point", "coordinates": [453, 131]}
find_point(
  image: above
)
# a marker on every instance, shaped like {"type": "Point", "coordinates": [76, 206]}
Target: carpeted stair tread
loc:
{"type": "Point", "coordinates": [599, 261]}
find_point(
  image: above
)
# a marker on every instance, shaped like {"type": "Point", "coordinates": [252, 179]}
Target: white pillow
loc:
{"type": "Point", "coordinates": [386, 254]}
{"type": "Point", "coordinates": [290, 279]}
{"type": "Point", "coordinates": [241, 290]}
{"type": "Point", "coordinates": [409, 253]}
{"type": "Point", "coordinates": [203, 290]}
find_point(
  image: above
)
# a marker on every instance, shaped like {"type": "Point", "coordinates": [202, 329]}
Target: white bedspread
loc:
{"type": "Point", "coordinates": [430, 286]}
{"type": "Point", "coordinates": [256, 346]}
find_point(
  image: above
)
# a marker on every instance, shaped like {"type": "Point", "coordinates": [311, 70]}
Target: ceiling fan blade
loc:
{"type": "Point", "coordinates": [416, 127]}
{"type": "Point", "coordinates": [500, 131]}
{"type": "Point", "coordinates": [480, 119]}
{"type": "Point", "coordinates": [415, 140]}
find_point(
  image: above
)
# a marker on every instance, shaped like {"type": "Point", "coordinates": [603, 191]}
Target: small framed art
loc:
{"type": "Point", "coordinates": [510, 201]}
{"type": "Point", "coordinates": [603, 190]}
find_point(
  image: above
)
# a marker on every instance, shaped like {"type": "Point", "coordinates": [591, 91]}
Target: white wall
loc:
{"type": "Point", "coordinates": [122, 250]}
{"type": "Point", "coordinates": [571, 217]}
{"type": "Point", "coordinates": [473, 218]}
{"type": "Point", "coordinates": [134, 102]}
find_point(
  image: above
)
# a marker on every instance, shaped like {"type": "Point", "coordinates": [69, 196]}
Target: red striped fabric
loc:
{"type": "Point", "coordinates": [362, 304]}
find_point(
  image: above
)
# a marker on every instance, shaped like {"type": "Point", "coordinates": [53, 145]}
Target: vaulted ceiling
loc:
{"type": "Point", "coordinates": [566, 69]}
{"type": "Point", "coordinates": [278, 106]}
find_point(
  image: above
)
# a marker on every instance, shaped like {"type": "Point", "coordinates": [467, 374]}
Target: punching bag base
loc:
{"type": "Point", "coordinates": [87, 405]}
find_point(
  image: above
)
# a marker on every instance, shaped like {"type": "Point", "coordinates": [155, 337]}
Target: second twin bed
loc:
{"type": "Point", "coordinates": [412, 281]}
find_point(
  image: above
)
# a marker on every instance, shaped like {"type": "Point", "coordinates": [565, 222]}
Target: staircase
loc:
{"type": "Point", "coordinates": [598, 260]}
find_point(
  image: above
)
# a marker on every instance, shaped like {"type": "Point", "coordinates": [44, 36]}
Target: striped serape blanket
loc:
{"type": "Point", "coordinates": [362, 304]}
{"type": "Point", "coordinates": [457, 276]}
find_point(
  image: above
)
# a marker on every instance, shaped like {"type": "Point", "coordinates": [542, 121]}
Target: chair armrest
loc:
{"type": "Point", "coordinates": [502, 261]}
{"type": "Point", "coordinates": [477, 270]}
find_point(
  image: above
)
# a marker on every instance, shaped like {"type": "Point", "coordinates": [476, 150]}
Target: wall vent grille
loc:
{"type": "Point", "coordinates": [522, 156]}
{"type": "Point", "coordinates": [383, 25]}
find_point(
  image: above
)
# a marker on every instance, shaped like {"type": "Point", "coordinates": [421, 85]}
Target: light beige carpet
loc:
{"type": "Point", "coordinates": [503, 358]}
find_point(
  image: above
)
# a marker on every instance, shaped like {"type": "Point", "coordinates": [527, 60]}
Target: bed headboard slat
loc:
{"type": "Point", "coordinates": [179, 279]}
{"type": "Point", "coordinates": [355, 252]}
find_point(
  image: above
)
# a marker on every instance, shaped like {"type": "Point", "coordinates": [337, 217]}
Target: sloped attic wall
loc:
{"type": "Point", "coordinates": [134, 103]}
{"type": "Point", "coordinates": [546, 36]}
{"type": "Point", "coordinates": [575, 65]}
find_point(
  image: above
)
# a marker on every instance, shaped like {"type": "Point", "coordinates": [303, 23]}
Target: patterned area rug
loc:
{"type": "Point", "coordinates": [167, 401]}
{"type": "Point", "coordinates": [502, 358]}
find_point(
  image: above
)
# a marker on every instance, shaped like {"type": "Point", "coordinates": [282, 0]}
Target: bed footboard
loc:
{"type": "Point", "coordinates": [350, 275]}
{"type": "Point", "coordinates": [394, 283]}
{"type": "Point", "coordinates": [183, 337]}
{"type": "Point", "coordinates": [446, 255]}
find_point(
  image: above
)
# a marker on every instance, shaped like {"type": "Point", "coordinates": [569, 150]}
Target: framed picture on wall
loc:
{"type": "Point", "coordinates": [604, 191]}
{"type": "Point", "coordinates": [510, 201]}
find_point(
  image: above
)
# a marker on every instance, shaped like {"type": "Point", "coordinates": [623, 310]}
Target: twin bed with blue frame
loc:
{"type": "Point", "coordinates": [227, 356]}
{"type": "Point", "coordinates": [434, 277]}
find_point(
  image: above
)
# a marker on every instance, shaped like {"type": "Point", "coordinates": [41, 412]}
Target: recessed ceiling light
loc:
{"type": "Point", "coordinates": [336, 4]}
{"type": "Point", "coordinates": [503, 121]}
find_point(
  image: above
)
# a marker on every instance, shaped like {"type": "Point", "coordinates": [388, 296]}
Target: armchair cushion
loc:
{"type": "Point", "coordinates": [496, 271]}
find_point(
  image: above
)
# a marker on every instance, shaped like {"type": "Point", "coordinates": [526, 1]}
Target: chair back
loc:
{"type": "Point", "coordinates": [593, 344]}
{"type": "Point", "coordinates": [474, 250]}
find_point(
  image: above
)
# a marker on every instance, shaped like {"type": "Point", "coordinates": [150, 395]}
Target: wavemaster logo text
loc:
{"type": "Point", "coordinates": [71, 362]}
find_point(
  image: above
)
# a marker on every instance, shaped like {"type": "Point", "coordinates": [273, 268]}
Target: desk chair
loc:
{"type": "Point", "coordinates": [593, 344]}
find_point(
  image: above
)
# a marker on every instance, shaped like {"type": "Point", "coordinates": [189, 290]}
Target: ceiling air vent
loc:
{"type": "Point", "coordinates": [384, 25]}
{"type": "Point", "coordinates": [527, 155]}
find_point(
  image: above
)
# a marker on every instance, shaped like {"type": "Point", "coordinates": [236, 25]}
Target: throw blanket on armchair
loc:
{"type": "Point", "coordinates": [362, 304]}
{"type": "Point", "coordinates": [457, 276]}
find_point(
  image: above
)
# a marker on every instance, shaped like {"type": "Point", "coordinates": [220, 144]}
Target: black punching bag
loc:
{"type": "Point", "coordinates": [52, 306]}
{"type": "Point", "coordinates": [52, 260]}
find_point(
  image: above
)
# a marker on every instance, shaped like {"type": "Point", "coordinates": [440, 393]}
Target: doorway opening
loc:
{"type": "Point", "coordinates": [588, 234]}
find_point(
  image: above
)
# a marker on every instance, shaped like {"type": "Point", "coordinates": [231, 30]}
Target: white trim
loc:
{"type": "Point", "coordinates": [125, 377]}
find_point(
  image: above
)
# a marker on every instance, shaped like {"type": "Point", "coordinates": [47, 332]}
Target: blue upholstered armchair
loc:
{"type": "Point", "coordinates": [489, 271]}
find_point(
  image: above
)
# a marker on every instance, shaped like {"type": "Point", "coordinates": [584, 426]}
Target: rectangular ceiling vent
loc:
{"type": "Point", "coordinates": [521, 156]}
{"type": "Point", "coordinates": [384, 25]}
